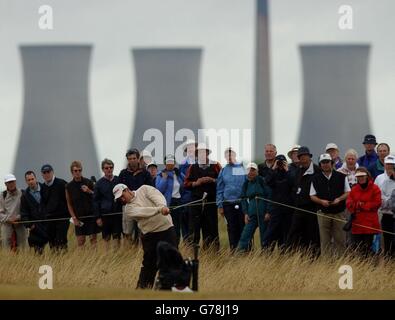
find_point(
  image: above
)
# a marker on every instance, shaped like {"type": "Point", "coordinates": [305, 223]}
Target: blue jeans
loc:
{"type": "Point", "coordinates": [249, 231]}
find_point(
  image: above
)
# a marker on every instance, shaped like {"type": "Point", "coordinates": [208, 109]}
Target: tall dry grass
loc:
{"type": "Point", "coordinates": [254, 275]}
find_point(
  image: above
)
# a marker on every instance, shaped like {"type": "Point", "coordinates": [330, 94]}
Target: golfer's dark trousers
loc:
{"type": "Point", "coordinates": [150, 241]}
{"type": "Point", "coordinates": [235, 223]}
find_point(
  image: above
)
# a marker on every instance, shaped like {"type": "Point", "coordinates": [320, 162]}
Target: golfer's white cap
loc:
{"type": "Point", "coordinates": [118, 189]}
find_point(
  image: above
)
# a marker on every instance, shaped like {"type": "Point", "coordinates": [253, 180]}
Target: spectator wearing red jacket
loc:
{"type": "Point", "coordinates": [363, 202]}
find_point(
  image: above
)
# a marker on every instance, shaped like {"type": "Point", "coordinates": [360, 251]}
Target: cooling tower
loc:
{"type": "Point", "coordinates": [56, 125]}
{"type": "Point", "coordinates": [168, 84]}
{"type": "Point", "coordinates": [334, 96]}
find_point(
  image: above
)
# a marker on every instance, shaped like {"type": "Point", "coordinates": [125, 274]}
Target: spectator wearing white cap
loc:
{"type": "Point", "coordinates": [386, 183]}
{"type": "Point", "coordinates": [332, 149]}
{"type": "Point", "coordinates": [377, 168]}
{"type": "Point", "coordinates": [329, 190]}
{"type": "Point", "coordinates": [152, 168]}
{"type": "Point", "coordinates": [148, 207]}
{"type": "Point", "coordinates": [14, 235]}
{"type": "Point", "coordinates": [256, 210]}
{"type": "Point", "coordinates": [170, 182]}
{"type": "Point", "coordinates": [350, 166]}
{"type": "Point", "coordinates": [201, 178]}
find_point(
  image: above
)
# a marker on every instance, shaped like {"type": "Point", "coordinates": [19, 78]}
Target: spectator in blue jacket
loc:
{"type": "Point", "coordinates": [370, 156]}
{"type": "Point", "coordinates": [256, 211]}
{"type": "Point", "coordinates": [229, 187]}
{"type": "Point", "coordinates": [170, 182]}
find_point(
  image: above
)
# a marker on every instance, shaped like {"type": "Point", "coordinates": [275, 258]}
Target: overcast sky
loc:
{"type": "Point", "coordinates": [225, 29]}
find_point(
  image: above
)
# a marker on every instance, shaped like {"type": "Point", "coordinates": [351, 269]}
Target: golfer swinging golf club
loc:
{"type": "Point", "coordinates": [147, 206]}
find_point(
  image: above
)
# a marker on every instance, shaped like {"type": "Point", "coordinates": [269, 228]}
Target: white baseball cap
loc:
{"type": "Point", "coordinates": [252, 165]}
{"type": "Point", "coordinates": [325, 157]}
{"type": "Point", "coordinates": [189, 142]}
{"type": "Point", "coordinates": [170, 159]}
{"type": "Point", "coordinates": [152, 163]}
{"type": "Point", "coordinates": [331, 145]}
{"type": "Point", "coordinates": [203, 146]}
{"type": "Point", "coordinates": [9, 177]}
{"type": "Point", "coordinates": [390, 159]}
{"type": "Point", "coordinates": [118, 189]}
{"type": "Point", "coordinates": [361, 174]}
{"type": "Point", "coordinates": [145, 153]}
{"type": "Point", "coordinates": [294, 148]}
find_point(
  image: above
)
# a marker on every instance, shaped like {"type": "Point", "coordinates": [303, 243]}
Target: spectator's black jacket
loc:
{"type": "Point", "coordinates": [53, 199]}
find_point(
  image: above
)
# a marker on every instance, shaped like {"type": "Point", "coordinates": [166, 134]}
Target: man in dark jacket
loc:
{"type": "Point", "coordinates": [370, 156]}
{"type": "Point", "coordinates": [104, 205]}
{"type": "Point", "coordinates": [133, 176]}
{"type": "Point", "coordinates": [329, 190]}
{"type": "Point", "coordinates": [270, 155]}
{"type": "Point", "coordinates": [54, 206]}
{"type": "Point", "coordinates": [201, 178]}
{"type": "Point", "coordinates": [304, 230]}
{"type": "Point", "coordinates": [79, 195]}
{"type": "Point", "coordinates": [279, 179]}
{"type": "Point", "coordinates": [31, 210]}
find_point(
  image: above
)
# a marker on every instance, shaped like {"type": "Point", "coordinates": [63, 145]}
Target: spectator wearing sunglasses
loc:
{"type": "Point", "coordinates": [79, 195]}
